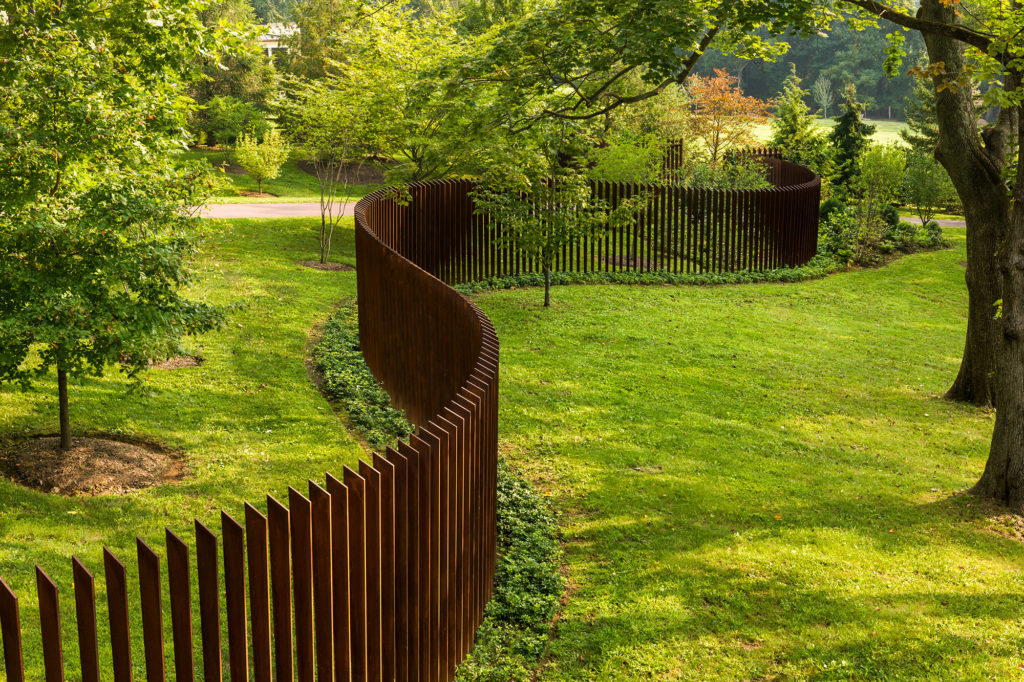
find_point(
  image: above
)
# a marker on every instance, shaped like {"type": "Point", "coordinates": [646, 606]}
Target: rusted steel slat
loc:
{"type": "Point", "coordinates": [180, 591]}
{"type": "Point", "coordinates": [356, 485]}
{"type": "Point", "coordinates": [339, 578]}
{"type": "Point", "coordinates": [85, 615]}
{"type": "Point", "coordinates": [10, 630]}
{"type": "Point", "coordinates": [152, 611]}
{"type": "Point", "coordinates": [49, 625]}
{"type": "Point", "coordinates": [209, 602]}
{"type": "Point", "coordinates": [259, 592]}
{"type": "Point", "coordinates": [323, 597]}
{"type": "Point", "coordinates": [388, 564]}
{"type": "Point", "coordinates": [280, 586]}
{"type": "Point", "coordinates": [233, 540]}
{"type": "Point", "coordinates": [302, 584]}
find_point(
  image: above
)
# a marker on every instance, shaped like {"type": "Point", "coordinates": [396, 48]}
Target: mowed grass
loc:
{"type": "Point", "coordinates": [247, 422]}
{"type": "Point", "coordinates": [761, 482]}
{"type": "Point", "coordinates": [886, 132]}
{"type": "Point", "coordinates": [294, 185]}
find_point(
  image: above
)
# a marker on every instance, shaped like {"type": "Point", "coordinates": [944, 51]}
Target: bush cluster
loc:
{"type": "Point", "coordinates": [847, 240]}
{"type": "Point", "coordinates": [819, 266]}
{"type": "Point", "coordinates": [350, 382]}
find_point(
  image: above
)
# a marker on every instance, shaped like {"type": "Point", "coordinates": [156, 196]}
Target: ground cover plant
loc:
{"type": "Point", "coordinates": [759, 481]}
{"type": "Point", "coordinates": [247, 422]}
{"type": "Point", "coordinates": [528, 582]}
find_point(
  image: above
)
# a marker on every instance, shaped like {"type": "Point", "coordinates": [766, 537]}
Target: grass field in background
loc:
{"type": "Point", "coordinates": [292, 186]}
{"type": "Point", "coordinates": [885, 131]}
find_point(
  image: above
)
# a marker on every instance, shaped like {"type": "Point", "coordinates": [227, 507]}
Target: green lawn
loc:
{"type": "Point", "coordinates": [293, 185]}
{"type": "Point", "coordinates": [248, 421]}
{"type": "Point", "coordinates": [759, 482]}
{"type": "Point", "coordinates": [755, 482]}
{"type": "Point", "coordinates": [886, 131]}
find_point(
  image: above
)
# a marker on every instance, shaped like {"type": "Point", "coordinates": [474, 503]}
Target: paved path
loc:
{"type": "Point", "coordinates": [943, 222]}
{"type": "Point", "coordinates": [301, 210]}
{"type": "Point", "coordinates": [312, 209]}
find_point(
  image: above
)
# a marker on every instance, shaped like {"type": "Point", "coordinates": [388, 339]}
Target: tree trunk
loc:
{"type": "Point", "coordinates": [65, 415]}
{"type": "Point", "coordinates": [976, 170]}
{"type": "Point", "coordinates": [1003, 479]}
{"type": "Point", "coordinates": [547, 286]}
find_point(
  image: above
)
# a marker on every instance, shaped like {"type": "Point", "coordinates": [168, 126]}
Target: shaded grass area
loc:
{"type": "Point", "coordinates": [760, 481]}
{"type": "Point", "coordinates": [247, 422]}
{"type": "Point", "coordinates": [293, 185]}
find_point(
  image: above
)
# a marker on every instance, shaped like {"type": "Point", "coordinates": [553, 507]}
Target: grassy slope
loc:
{"type": "Point", "coordinates": [756, 480]}
{"type": "Point", "coordinates": [248, 421]}
{"type": "Point", "coordinates": [885, 132]}
{"type": "Point", "coordinates": [293, 185]}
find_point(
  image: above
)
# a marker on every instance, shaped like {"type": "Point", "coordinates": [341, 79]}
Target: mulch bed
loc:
{"type": "Point", "coordinates": [178, 362]}
{"type": "Point", "coordinates": [93, 466]}
{"type": "Point", "coordinates": [329, 267]}
{"type": "Point", "coordinates": [355, 173]}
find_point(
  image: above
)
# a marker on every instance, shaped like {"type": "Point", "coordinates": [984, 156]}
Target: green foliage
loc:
{"type": "Point", "coordinates": [527, 587]}
{"type": "Point", "coordinates": [815, 268]}
{"type": "Point", "coordinates": [849, 139]}
{"type": "Point", "coordinates": [830, 206]}
{"type": "Point", "coordinates": [837, 236]}
{"type": "Point", "coordinates": [795, 133]}
{"type": "Point", "coordinates": [226, 118]}
{"type": "Point", "coordinates": [96, 226]}
{"type": "Point", "coordinates": [922, 133]}
{"type": "Point", "coordinates": [263, 159]}
{"type": "Point", "coordinates": [926, 185]}
{"type": "Point", "coordinates": [629, 157]}
{"type": "Point", "coordinates": [349, 382]}
{"type": "Point", "coordinates": [735, 171]}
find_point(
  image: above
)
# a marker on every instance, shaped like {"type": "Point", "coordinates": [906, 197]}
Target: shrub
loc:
{"type": "Point", "coordinates": [629, 157]}
{"type": "Point", "coordinates": [350, 382]}
{"type": "Point", "coordinates": [837, 236]}
{"type": "Point", "coordinates": [926, 186]}
{"type": "Point", "coordinates": [264, 159]}
{"type": "Point", "coordinates": [930, 236]}
{"type": "Point", "coordinates": [830, 206]}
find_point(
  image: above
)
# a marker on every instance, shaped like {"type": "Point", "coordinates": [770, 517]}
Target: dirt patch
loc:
{"type": "Point", "coordinates": [231, 168]}
{"type": "Point", "coordinates": [255, 195]}
{"type": "Point", "coordinates": [178, 362]}
{"type": "Point", "coordinates": [354, 173]}
{"type": "Point", "coordinates": [329, 267]}
{"type": "Point", "coordinates": [93, 466]}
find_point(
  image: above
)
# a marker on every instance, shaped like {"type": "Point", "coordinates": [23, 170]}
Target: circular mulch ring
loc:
{"type": "Point", "coordinates": [178, 362]}
{"type": "Point", "coordinates": [329, 267]}
{"type": "Point", "coordinates": [93, 466]}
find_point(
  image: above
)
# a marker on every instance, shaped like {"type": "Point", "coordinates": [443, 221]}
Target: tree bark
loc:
{"type": "Point", "coordinates": [975, 166]}
{"type": "Point", "coordinates": [65, 414]}
{"type": "Point", "coordinates": [547, 286]}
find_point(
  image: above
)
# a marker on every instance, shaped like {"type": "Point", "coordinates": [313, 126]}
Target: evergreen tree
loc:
{"type": "Point", "coordinates": [922, 134]}
{"type": "Point", "coordinates": [849, 138]}
{"type": "Point", "coordinates": [794, 132]}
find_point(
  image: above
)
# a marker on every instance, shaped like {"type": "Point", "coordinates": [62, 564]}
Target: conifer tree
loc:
{"type": "Point", "coordinates": [922, 133]}
{"type": "Point", "coordinates": [849, 138]}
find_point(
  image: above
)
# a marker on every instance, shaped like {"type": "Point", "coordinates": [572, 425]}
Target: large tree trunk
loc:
{"type": "Point", "coordinates": [975, 167]}
{"type": "Point", "coordinates": [65, 413]}
{"type": "Point", "coordinates": [1003, 479]}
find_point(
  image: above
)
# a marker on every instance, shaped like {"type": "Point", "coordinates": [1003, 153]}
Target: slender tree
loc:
{"type": "Point", "coordinates": [97, 223]}
{"type": "Point", "coordinates": [823, 94]}
{"type": "Point", "coordinates": [723, 117]}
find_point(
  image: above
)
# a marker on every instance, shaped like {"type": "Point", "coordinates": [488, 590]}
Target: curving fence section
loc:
{"type": "Point", "coordinates": [678, 229]}
{"type": "Point", "coordinates": [383, 573]}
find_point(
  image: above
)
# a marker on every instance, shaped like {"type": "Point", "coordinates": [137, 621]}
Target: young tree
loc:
{"type": "Point", "coordinates": [823, 94]}
{"type": "Point", "coordinates": [96, 221]}
{"type": "Point", "coordinates": [263, 160]}
{"type": "Point", "coordinates": [926, 185]}
{"type": "Point", "coordinates": [922, 132]}
{"type": "Point", "coordinates": [723, 117]}
{"type": "Point", "coordinates": [849, 138]}
{"type": "Point", "coordinates": [794, 131]}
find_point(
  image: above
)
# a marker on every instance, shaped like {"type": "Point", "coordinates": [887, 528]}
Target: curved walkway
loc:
{"type": "Point", "coordinates": [299, 210]}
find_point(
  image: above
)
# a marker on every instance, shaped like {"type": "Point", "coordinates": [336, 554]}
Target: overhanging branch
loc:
{"type": "Point", "coordinates": [982, 41]}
